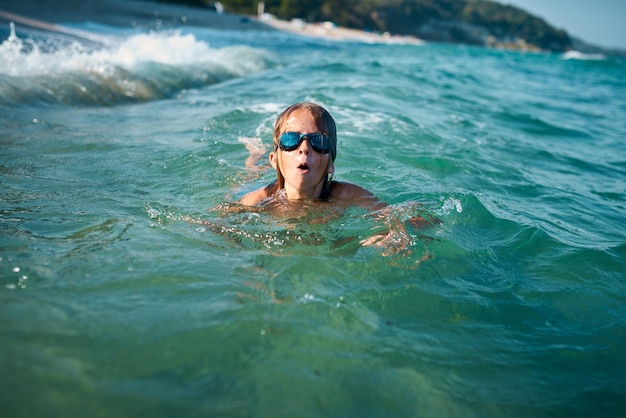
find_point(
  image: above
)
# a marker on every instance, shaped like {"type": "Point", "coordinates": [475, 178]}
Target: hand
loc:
{"type": "Point", "coordinates": [377, 240]}
{"type": "Point", "coordinates": [392, 243]}
{"type": "Point", "coordinates": [256, 150]}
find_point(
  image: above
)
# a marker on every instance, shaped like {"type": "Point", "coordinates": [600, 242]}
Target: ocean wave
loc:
{"type": "Point", "coordinates": [138, 68]}
{"type": "Point", "coordinates": [577, 55]}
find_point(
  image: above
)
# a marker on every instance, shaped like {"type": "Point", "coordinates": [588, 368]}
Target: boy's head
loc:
{"type": "Point", "coordinates": [323, 119]}
{"type": "Point", "coordinates": [324, 123]}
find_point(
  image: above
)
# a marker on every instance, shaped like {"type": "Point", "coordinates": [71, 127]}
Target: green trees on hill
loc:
{"type": "Point", "coordinates": [466, 21]}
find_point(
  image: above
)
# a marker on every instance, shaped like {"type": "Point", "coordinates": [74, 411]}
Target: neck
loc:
{"type": "Point", "coordinates": [319, 191]}
{"type": "Point", "coordinates": [311, 194]}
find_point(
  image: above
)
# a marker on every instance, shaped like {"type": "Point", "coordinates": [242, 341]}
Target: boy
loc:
{"type": "Point", "coordinates": [305, 147]}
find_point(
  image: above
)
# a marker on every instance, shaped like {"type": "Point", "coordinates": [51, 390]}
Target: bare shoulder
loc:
{"type": "Point", "coordinates": [354, 194]}
{"type": "Point", "coordinates": [254, 197]}
{"type": "Point", "coordinates": [346, 191]}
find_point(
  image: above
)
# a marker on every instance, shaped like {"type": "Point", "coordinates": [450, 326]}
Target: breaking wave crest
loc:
{"type": "Point", "coordinates": [138, 68]}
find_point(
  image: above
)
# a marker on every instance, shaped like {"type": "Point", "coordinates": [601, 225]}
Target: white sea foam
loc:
{"type": "Point", "coordinates": [26, 57]}
{"type": "Point", "coordinates": [576, 55]}
{"type": "Point", "coordinates": [142, 67]}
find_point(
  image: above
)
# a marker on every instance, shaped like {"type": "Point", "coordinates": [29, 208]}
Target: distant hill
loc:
{"type": "Point", "coordinates": [475, 22]}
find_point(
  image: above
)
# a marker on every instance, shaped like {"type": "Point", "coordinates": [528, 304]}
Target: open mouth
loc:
{"type": "Point", "coordinates": [303, 166]}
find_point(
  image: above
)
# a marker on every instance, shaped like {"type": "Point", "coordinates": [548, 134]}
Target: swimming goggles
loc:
{"type": "Point", "coordinates": [321, 143]}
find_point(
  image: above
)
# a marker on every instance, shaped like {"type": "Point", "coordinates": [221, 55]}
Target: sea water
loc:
{"type": "Point", "coordinates": [128, 289]}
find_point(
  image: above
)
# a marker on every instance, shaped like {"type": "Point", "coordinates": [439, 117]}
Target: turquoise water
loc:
{"type": "Point", "coordinates": [128, 290]}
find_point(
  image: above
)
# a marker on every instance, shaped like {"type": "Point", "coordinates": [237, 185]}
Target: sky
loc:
{"type": "Point", "coordinates": [597, 22]}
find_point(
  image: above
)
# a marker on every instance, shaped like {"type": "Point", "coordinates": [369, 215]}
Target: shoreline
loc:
{"type": "Point", "coordinates": [52, 15]}
{"type": "Point", "coordinates": [330, 31]}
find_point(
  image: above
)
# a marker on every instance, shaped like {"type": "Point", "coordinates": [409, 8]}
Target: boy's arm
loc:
{"type": "Point", "coordinates": [255, 197]}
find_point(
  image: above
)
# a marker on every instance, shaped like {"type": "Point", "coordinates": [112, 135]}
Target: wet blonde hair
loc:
{"type": "Point", "coordinates": [324, 122]}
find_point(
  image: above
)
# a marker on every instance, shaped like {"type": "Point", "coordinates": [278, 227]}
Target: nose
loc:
{"type": "Point", "coordinates": [305, 146]}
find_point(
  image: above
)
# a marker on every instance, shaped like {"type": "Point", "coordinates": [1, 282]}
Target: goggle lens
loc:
{"type": "Point", "coordinates": [289, 141]}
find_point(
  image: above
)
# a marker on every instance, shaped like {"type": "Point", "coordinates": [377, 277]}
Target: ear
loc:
{"type": "Point", "coordinates": [331, 168]}
{"type": "Point", "coordinates": [274, 160]}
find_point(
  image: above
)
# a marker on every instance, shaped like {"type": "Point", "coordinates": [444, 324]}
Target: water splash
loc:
{"type": "Point", "coordinates": [450, 204]}
{"type": "Point", "coordinates": [576, 55]}
{"type": "Point", "coordinates": [141, 67]}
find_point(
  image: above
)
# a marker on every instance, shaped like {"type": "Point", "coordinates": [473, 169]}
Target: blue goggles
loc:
{"type": "Point", "coordinates": [321, 143]}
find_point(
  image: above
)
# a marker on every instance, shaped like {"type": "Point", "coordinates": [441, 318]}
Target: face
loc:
{"type": "Point", "coordinates": [304, 169]}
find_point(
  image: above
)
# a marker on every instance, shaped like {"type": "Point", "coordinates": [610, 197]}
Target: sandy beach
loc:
{"type": "Point", "coordinates": [53, 14]}
{"type": "Point", "coordinates": [328, 30]}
